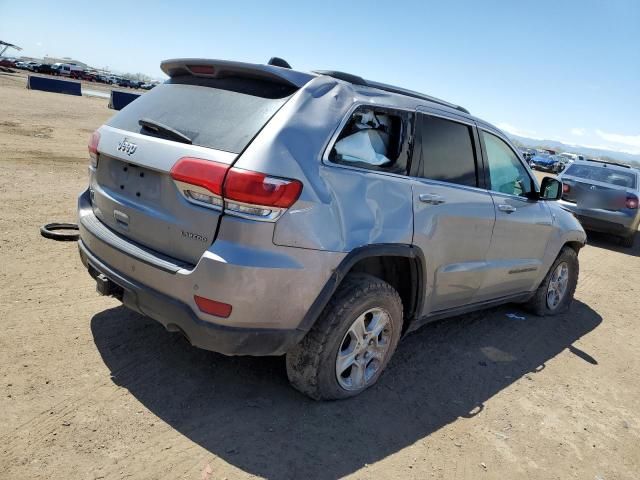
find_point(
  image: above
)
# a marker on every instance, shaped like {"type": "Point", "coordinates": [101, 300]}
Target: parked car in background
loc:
{"type": "Point", "coordinates": [546, 163]}
{"type": "Point", "coordinates": [69, 70]}
{"type": "Point", "coordinates": [527, 154]}
{"type": "Point", "coordinates": [8, 62]}
{"type": "Point", "coordinates": [221, 224]}
{"type": "Point", "coordinates": [25, 65]}
{"type": "Point", "coordinates": [44, 68]}
{"type": "Point", "coordinates": [604, 197]}
{"type": "Point", "coordinates": [570, 157]}
{"type": "Point", "coordinates": [147, 86]}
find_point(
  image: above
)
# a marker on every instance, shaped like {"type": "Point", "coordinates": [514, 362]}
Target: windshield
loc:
{"type": "Point", "coordinates": [224, 114]}
{"type": "Point", "coordinates": [603, 174]}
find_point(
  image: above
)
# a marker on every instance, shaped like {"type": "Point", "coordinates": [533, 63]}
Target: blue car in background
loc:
{"type": "Point", "coordinates": [547, 163]}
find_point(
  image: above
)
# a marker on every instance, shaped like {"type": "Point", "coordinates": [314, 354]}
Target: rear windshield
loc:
{"type": "Point", "coordinates": [224, 114]}
{"type": "Point", "coordinates": [603, 174]}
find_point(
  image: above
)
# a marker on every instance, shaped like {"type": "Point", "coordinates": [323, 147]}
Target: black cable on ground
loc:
{"type": "Point", "coordinates": [50, 230]}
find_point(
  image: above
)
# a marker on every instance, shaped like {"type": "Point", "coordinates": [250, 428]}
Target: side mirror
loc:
{"type": "Point", "coordinates": [550, 189]}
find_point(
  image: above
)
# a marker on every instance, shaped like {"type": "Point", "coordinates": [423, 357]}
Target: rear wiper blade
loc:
{"type": "Point", "coordinates": [164, 130]}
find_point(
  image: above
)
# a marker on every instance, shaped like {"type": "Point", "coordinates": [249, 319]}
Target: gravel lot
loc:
{"type": "Point", "coordinates": [90, 390]}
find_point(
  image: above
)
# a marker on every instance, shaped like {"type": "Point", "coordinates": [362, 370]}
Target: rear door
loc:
{"type": "Point", "coordinates": [453, 216]}
{"type": "Point", "coordinates": [132, 190]}
{"type": "Point", "coordinates": [523, 226]}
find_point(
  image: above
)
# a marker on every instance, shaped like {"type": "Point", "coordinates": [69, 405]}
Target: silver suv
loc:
{"type": "Point", "coordinates": [263, 211]}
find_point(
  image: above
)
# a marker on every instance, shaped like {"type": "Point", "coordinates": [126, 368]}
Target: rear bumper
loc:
{"type": "Point", "coordinates": [179, 317]}
{"type": "Point", "coordinates": [605, 221]}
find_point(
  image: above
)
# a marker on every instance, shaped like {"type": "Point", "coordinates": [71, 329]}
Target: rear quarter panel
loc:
{"type": "Point", "coordinates": [340, 208]}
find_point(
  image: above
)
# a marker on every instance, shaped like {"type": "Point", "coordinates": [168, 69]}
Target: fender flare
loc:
{"type": "Point", "coordinates": [354, 256]}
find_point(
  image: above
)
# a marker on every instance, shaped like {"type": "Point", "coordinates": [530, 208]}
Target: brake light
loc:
{"type": "Point", "coordinates": [259, 189]}
{"type": "Point", "coordinates": [93, 148]}
{"type": "Point", "coordinates": [213, 307]}
{"type": "Point", "coordinates": [631, 202]}
{"type": "Point", "coordinates": [566, 188]}
{"type": "Point", "coordinates": [240, 191]}
{"type": "Point", "coordinates": [202, 69]}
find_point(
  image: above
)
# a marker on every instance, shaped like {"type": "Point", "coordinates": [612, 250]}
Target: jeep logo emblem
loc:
{"type": "Point", "coordinates": [127, 147]}
{"type": "Point", "coordinates": [193, 236]}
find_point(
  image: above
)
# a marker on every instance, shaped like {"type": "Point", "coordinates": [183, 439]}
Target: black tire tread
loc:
{"type": "Point", "coordinates": [627, 242]}
{"type": "Point", "coordinates": [303, 362]}
{"type": "Point", "coordinates": [50, 231]}
{"type": "Point", "coordinates": [538, 303]}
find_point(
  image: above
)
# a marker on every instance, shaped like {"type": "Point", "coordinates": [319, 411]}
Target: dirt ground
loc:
{"type": "Point", "coordinates": [89, 390]}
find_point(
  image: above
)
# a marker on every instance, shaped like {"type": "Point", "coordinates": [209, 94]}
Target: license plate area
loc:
{"type": "Point", "coordinates": [134, 182]}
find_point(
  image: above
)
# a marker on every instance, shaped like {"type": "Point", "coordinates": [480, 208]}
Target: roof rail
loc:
{"type": "Point", "coordinates": [606, 162]}
{"type": "Point", "coordinates": [411, 93]}
{"type": "Point", "coordinates": [356, 80]}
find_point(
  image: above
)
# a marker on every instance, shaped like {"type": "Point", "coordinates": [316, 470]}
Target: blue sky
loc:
{"type": "Point", "coordinates": [563, 70]}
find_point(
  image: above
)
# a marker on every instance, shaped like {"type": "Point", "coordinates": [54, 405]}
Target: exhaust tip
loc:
{"type": "Point", "coordinates": [173, 328]}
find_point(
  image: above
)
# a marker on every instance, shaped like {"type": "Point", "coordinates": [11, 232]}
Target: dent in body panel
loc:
{"type": "Point", "coordinates": [363, 208]}
{"type": "Point", "coordinates": [376, 207]}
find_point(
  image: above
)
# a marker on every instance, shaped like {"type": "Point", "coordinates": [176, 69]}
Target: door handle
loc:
{"type": "Point", "coordinates": [506, 208]}
{"type": "Point", "coordinates": [431, 198]}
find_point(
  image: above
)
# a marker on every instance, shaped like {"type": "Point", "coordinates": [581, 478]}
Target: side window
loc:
{"type": "Point", "coordinates": [506, 172]}
{"type": "Point", "coordinates": [447, 151]}
{"type": "Point", "coordinates": [375, 139]}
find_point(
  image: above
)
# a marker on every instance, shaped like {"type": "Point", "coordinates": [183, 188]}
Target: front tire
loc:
{"type": "Point", "coordinates": [555, 293]}
{"type": "Point", "coordinates": [352, 342]}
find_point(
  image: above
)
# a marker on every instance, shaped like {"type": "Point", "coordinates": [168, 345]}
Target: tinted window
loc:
{"type": "Point", "coordinates": [506, 172]}
{"type": "Point", "coordinates": [603, 174]}
{"type": "Point", "coordinates": [224, 114]}
{"type": "Point", "coordinates": [447, 151]}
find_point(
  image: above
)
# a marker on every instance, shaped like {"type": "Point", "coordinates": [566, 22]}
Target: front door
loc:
{"type": "Point", "coordinates": [523, 225]}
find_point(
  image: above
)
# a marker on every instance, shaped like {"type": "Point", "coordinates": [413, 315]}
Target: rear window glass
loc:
{"type": "Point", "coordinates": [603, 174]}
{"type": "Point", "coordinates": [224, 114]}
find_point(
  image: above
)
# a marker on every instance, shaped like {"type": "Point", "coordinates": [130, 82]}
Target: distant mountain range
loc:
{"type": "Point", "coordinates": [588, 152]}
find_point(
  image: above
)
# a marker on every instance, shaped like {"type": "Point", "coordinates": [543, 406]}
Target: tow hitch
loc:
{"type": "Point", "coordinates": [106, 287]}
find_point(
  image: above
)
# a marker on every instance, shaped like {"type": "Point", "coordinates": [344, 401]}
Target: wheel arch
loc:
{"type": "Point", "coordinates": [386, 261]}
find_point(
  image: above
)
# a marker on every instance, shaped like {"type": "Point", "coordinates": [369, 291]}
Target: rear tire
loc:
{"type": "Point", "coordinates": [345, 339]}
{"type": "Point", "coordinates": [627, 242]}
{"type": "Point", "coordinates": [554, 296]}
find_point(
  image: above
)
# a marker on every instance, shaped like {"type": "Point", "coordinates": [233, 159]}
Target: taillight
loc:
{"type": "Point", "coordinates": [631, 202]}
{"type": "Point", "coordinates": [93, 148]}
{"type": "Point", "coordinates": [566, 188]}
{"type": "Point", "coordinates": [256, 190]}
{"type": "Point", "coordinates": [203, 173]}
{"type": "Point", "coordinates": [241, 192]}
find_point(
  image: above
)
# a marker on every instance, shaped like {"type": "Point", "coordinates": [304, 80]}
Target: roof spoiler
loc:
{"type": "Point", "coordinates": [224, 68]}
